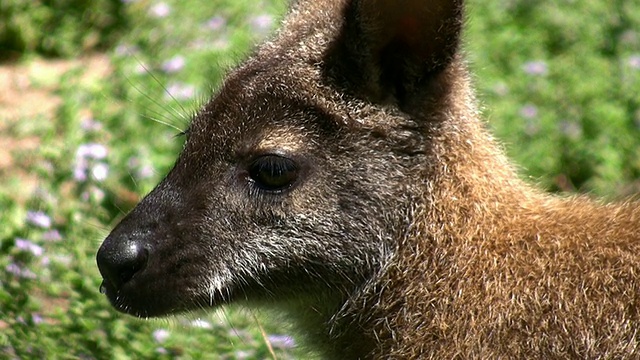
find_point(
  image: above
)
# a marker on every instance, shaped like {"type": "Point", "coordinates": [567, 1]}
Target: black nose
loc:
{"type": "Point", "coordinates": [120, 258]}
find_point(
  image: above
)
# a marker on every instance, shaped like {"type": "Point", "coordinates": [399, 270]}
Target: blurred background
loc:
{"type": "Point", "coordinates": [95, 93]}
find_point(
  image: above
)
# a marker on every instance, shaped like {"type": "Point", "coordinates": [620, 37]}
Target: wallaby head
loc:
{"type": "Point", "coordinates": [342, 174]}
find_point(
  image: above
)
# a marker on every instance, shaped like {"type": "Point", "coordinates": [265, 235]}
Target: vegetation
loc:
{"type": "Point", "coordinates": [560, 82]}
{"type": "Point", "coordinates": [59, 27]}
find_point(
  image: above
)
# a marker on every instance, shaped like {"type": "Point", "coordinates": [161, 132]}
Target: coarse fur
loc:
{"type": "Point", "coordinates": [343, 174]}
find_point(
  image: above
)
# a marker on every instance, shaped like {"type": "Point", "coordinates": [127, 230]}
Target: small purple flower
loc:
{"type": "Point", "coordinates": [80, 170]}
{"type": "Point", "coordinates": [634, 61]}
{"type": "Point", "coordinates": [37, 318]}
{"type": "Point", "coordinates": [160, 335]}
{"type": "Point", "coordinates": [26, 245]}
{"type": "Point", "coordinates": [160, 10]}
{"type": "Point", "coordinates": [529, 111]}
{"type": "Point", "coordinates": [501, 89]}
{"type": "Point", "coordinates": [261, 24]}
{"type": "Point", "coordinates": [281, 341]}
{"type": "Point", "coordinates": [39, 218]}
{"type": "Point", "coordinates": [571, 129]}
{"type": "Point", "coordinates": [94, 194]}
{"type": "Point", "coordinates": [181, 91]}
{"type": "Point", "coordinates": [141, 171]}
{"type": "Point", "coordinates": [97, 194]}
{"type": "Point", "coordinates": [126, 50]}
{"type": "Point", "coordinates": [538, 67]}
{"type": "Point", "coordinates": [86, 155]}
{"type": "Point", "coordinates": [174, 64]}
{"type": "Point", "coordinates": [92, 151]}
{"type": "Point", "coordinates": [141, 68]}
{"type": "Point", "coordinates": [45, 261]}
{"type": "Point", "coordinates": [16, 270]}
{"type": "Point", "coordinates": [145, 172]}
{"type": "Point", "coordinates": [216, 23]}
{"type": "Point", "coordinates": [89, 124]}
{"type": "Point", "coordinates": [52, 235]}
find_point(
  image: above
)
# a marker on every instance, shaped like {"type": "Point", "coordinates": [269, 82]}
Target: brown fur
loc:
{"type": "Point", "coordinates": [406, 234]}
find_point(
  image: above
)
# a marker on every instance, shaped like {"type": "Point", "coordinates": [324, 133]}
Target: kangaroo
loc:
{"type": "Point", "coordinates": [343, 174]}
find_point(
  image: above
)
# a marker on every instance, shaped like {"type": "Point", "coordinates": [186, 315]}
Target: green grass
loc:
{"type": "Point", "coordinates": [560, 82]}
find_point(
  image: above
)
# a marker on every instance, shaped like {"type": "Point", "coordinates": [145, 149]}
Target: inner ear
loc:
{"type": "Point", "coordinates": [391, 47]}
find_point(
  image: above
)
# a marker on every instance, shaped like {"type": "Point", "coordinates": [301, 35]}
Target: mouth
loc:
{"type": "Point", "coordinates": [143, 301]}
{"type": "Point", "coordinates": [125, 303]}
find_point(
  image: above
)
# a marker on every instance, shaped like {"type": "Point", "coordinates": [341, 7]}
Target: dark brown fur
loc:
{"type": "Point", "coordinates": [405, 232]}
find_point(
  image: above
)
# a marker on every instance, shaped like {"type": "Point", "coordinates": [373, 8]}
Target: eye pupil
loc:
{"type": "Point", "coordinates": [273, 172]}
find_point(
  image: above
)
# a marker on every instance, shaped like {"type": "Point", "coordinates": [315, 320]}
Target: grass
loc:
{"type": "Point", "coordinates": [559, 80]}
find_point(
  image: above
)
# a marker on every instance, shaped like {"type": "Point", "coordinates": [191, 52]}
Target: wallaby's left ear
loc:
{"type": "Point", "coordinates": [391, 47]}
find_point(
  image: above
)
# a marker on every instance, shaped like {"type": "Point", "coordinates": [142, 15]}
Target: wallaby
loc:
{"type": "Point", "coordinates": [343, 174]}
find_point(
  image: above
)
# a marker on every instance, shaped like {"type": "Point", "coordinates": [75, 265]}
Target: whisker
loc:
{"type": "Point", "coordinates": [159, 104]}
{"type": "Point", "coordinates": [184, 111]}
{"type": "Point", "coordinates": [264, 335]}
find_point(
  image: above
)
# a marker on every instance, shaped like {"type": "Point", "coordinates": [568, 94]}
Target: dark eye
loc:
{"type": "Point", "coordinates": [273, 173]}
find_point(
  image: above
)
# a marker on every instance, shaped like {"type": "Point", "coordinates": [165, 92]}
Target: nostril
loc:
{"type": "Point", "coordinates": [132, 263]}
{"type": "Point", "coordinates": [118, 264]}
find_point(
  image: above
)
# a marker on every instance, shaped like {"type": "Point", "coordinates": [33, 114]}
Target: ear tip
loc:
{"type": "Point", "coordinates": [390, 45]}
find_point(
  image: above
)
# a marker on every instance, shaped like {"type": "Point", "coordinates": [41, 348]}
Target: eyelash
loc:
{"type": "Point", "coordinates": [273, 174]}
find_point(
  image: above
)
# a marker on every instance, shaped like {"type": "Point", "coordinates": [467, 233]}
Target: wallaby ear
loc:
{"type": "Point", "coordinates": [392, 47]}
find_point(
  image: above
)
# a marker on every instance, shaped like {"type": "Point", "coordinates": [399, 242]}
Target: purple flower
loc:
{"type": "Point", "coordinates": [216, 23]}
{"type": "Point", "coordinates": [141, 68]}
{"type": "Point", "coordinates": [26, 245]}
{"type": "Point", "coordinates": [37, 318]}
{"type": "Point", "coordinates": [501, 89]}
{"type": "Point", "coordinates": [45, 261]}
{"type": "Point", "coordinates": [538, 67]}
{"type": "Point", "coordinates": [16, 270]}
{"type": "Point", "coordinates": [92, 151]}
{"type": "Point", "coordinates": [86, 155]}
{"type": "Point", "coordinates": [39, 218]}
{"type": "Point", "coordinates": [160, 10]}
{"type": "Point", "coordinates": [529, 111]}
{"type": "Point", "coordinates": [174, 64]}
{"type": "Point", "coordinates": [160, 335]}
{"type": "Point", "coordinates": [141, 169]}
{"type": "Point", "coordinates": [634, 61]}
{"type": "Point", "coordinates": [281, 341]}
{"type": "Point", "coordinates": [126, 50]}
{"type": "Point", "coordinates": [181, 91]}
{"type": "Point", "coordinates": [571, 129]}
{"type": "Point", "coordinates": [145, 172]}
{"type": "Point", "coordinates": [89, 124]}
{"type": "Point", "coordinates": [261, 24]}
{"type": "Point", "coordinates": [80, 170]}
{"type": "Point", "coordinates": [94, 194]}
{"type": "Point", "coordinates": [52, 235]}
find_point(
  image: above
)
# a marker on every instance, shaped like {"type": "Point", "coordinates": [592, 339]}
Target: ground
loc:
{"type": "Point", "coordinates": [29, 91]}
